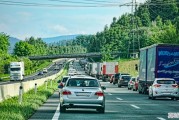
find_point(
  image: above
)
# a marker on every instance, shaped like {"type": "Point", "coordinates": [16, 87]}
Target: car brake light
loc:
{"type": "Point", "coordinates": [157, 85]}
{"type": "Point", "coordinates": [99, 93]}
{"type": "Point", "coordinates": [66, 92]}
{"type": "Point", "coordinates": [176, 86]}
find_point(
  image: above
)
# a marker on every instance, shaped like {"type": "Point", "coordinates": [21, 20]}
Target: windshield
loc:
{"type": "Point", "coordinates": [83, 83]}
{"type": "Point", "coordinates": [165, 81]}
{"type": "Point", "coordinates": [15, 69]}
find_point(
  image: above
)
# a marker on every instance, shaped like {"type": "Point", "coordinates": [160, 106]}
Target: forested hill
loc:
{"type": "Point", "coordinates": [152, 22]}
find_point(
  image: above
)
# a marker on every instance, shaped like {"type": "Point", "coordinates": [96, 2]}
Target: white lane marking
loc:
{"type": "Point", "coordinates": [57, 113]}
{"type": "Point", "coordinates": [109, 94]}
{"type": "Point", "coordinates": [160, 118]}
{"type": "Point", "coordinates": [119, 98]}
{"type": "Point", "coordinates": [135, 106]}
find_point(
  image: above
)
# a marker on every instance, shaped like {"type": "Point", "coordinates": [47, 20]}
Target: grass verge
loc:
{"type": "Point", "coordinates": [10, 109]}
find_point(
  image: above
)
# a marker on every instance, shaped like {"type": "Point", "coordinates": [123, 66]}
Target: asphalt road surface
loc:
{"type": "Point", "coordinates": [121, 104]}
{"type": "Point", "coordinates": [51, 70]}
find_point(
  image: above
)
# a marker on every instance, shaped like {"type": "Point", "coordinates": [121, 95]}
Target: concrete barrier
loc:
{"type": "Point", "coordinates": [11, 90]}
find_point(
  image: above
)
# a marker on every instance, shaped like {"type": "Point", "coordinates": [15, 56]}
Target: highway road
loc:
{"type": "Point", "coordinates": [51, 70]}
{"type": "Point", "coordinates": [121, 104]}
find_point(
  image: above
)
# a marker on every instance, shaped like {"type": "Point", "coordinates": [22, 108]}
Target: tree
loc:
{"type": "Point", "coordinates": [4, 43]}
{"type": "Point", "coordinates": [23, 48]}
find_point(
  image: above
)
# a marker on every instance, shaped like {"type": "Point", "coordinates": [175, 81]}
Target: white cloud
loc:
{"type": "Point", "coordinates": [59, 29]}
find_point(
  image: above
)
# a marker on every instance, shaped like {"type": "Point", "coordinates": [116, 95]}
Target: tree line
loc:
{"type": "Point", "coordinates": [154, 21]}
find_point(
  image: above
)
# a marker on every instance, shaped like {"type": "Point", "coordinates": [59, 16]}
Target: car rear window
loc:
{"type": "Point", "coordinates": [126, 78]}
{"type": "Point", "coordinates": [165, 81]}
{"type": "Point", "coordinates": [82, 83]}
{"type": "Point", "coordinates": [133, 79]}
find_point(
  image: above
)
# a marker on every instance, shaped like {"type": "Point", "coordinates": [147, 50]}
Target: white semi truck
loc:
{"type": "Point", "coordinates": [16, 71]}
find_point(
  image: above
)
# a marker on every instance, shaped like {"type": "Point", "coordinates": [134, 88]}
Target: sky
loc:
{"type": "Point", "coordinates": [50, 18]}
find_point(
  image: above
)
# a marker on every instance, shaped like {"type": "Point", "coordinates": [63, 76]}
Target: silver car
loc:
{"type": "Point", "coordinates": [82, 92]}
{"type": "Point", "coordinates": [163, 87]}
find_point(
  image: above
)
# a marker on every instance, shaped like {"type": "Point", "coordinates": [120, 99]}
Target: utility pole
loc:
{"type": "Point", "coordinates": [132, 26]}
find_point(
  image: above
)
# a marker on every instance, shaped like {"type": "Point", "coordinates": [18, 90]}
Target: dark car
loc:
{"type": "Point", "coordinates": [40, 73]}
{"type": "Point", "coordinates": [117, 76]}
{"type": "Point", "coordinates": [123, 80]}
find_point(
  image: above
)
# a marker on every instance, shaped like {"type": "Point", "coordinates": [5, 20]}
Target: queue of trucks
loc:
{"type": "Point", "coordinates": [101, 70]}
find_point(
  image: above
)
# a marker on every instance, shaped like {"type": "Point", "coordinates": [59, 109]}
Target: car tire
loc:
{"type": "Point", "coordinates": [149, 97]}
{"type": "Point", "coordinates": [119, 85]}
{"type": "Point", "coordinates": [140, 92]}
{"type": "Point", "coordinates": [153, 98]}
{"type": "Point", "coordinates": [62, 109]}
{"type": "Point", "coordinates": [172, 98]}
{"type": "Point", "coordinates": [101, 110]}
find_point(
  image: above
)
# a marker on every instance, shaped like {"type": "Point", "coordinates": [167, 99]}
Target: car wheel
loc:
{"type": "Point", "coordinates": [101, 110]}
{"type": "Point", "coordinates": [172, 98]}
{"type": "Point", "coordinates": [62, 109]}
{"type": "Point", "coordinates": [140, 92]}
{"type": "Point", "coordinates": [153, 98]}
{"type": "Point", "coordinates": [149, 97]}
{"type": "Point", "coordinates": [119, 85]}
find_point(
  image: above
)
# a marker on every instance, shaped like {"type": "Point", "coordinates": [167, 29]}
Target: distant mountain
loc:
{"type": "Point", "coordinates": [59, 38]}
{"type": "Point", "coordinates": [12, 42]}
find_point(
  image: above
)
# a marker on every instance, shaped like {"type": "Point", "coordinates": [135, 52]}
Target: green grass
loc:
{"type": "Point", "coordinates": [10, 109]}
{"type": "Point", "coordinates": [128, 66]}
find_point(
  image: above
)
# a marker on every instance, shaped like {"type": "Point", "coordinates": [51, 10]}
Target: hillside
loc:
{"type": "Point", "coordinates": [59, 38]}
{"type": "Point", "coordinates": [128, 66]}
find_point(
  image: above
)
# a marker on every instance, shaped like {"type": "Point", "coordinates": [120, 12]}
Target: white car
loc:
{"type": "Point", "coordinates": [163, 87]}
{"type": "Point", "coordinates": [45, 70]}
{"type": "Point", "coordinates": [82, 92]}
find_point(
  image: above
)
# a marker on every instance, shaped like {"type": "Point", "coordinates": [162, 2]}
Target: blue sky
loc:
{"type": "Point", "coordinates": [25, 21]}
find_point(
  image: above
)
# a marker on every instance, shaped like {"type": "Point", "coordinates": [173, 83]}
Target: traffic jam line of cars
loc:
{"type": "Point", "coordinates": [161, 87]}
{"type": "Point", "coordinates": [78, 90]}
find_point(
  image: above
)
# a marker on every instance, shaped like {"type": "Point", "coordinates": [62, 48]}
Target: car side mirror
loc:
{"type": "Point", "coordinates": [58, 81]}
{"type": "Point", "coordinates": [103, 87]}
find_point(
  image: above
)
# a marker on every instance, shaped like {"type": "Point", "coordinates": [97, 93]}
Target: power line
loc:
{"type": "Point", "coordinates": [86, 1]}
{"type": "Point", "coordinates": [73, 4]}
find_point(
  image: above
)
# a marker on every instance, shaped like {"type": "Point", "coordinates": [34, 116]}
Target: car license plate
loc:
{"type": "Point", "coordinates": [82, 94]}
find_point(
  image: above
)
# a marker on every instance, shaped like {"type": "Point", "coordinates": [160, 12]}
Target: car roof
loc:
{"type": "Point", "coordinates": [66, 76]}
{"type": "Point", "coordinates": [82, 76]}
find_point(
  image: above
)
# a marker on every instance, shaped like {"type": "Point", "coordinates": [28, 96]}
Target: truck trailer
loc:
{"type": "Point", "coordinates": [108, 69]}
{"type": "Point", "coordinates": [157, 61]}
